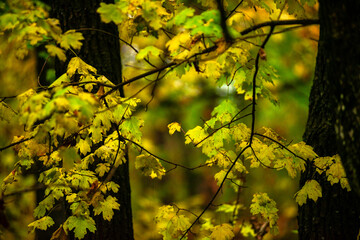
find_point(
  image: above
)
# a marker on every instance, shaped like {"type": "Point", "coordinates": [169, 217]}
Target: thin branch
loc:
{"type": "Point", "coordinates": [217, 129]}
{"type": "Point", "coordinates": [118, 86]}
{"type": "Point", "coordinates": [254, 83]}
{"type": "Point", "coordinates": [161, 159]}
{"type": "Point", "coordinates": [303, 22]}
{"type": "Point", "coordinates": [15, 143]}
{"type": "Point", "coordinates": [232, 11]}
{"type": "Point", "coordinates": [280, 144]}
{"type": "Point", "coordinates": [31, 189]}
{"type": "Point", "coordinates": [253, 151]}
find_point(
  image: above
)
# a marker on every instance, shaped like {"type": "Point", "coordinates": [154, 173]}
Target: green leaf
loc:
{"type": "Point", "coordinates": [69, 157]}
{"type": "Point", "coordinates": [71, 39]}
{"type": "Point", "coordinates": [106, 207]}
{"type": "Point", "coordinates": [225, 111]}
{"type": "Point", "coordinates": [42, 224]}
{"type": "Point", "coordinates": [80, 225]}
{"type": "Point", "coordinates": [149, 50]}
{"type": "Point", "coordinates": [183, 16]}
{"type": "Point", "coordinates": [311, 189]}
{"type": "Point", "coordinates": [222, 232]}
{"type": "Point", "coordinates": [113, 12]}
{"type": "Point", "coordinates": [130, 128]}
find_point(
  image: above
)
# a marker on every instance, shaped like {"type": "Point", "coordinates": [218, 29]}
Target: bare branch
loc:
{"type": "Point", "coordinates": [304, 22]}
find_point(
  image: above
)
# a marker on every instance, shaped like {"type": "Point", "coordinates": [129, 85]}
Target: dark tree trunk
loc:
{"type": "Point", "coordinates": [333, 125]}
{"type": "Point", "coordinates": [102, 51]}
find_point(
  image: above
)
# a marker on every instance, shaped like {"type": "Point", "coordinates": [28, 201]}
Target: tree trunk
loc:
{"type": "Point", "coordinates": [102, 51]}
{"type": "Point", "coordinates": [333, 126]}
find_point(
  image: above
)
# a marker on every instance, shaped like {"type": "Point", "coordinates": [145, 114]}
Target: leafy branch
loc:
{"type": "Point", "coordinates": [250, 140]}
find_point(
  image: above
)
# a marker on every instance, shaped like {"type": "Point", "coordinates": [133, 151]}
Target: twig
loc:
{"type": "Point", "coordinates": [15, 143]}
{"type": "Point", "coordinates": [303, 22]}
{"type": "Point", "coordinates": [232, 11]}
{"type": "Point", "coordinates": [254, 83]}
{"type": "Point", "coordinates": [163, 160]}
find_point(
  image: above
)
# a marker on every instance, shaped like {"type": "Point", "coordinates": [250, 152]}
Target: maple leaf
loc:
{"type": "Point", "coordinates": [225, 111]}
{"type": "Point", "coordinates": [145, 52]}
{"type": "Point", "coordinates": [79, 66]}
{"type": "Point", "coordinates": [303, 150]}
{"type": "Point", "coordinates": [102, 168]}
{"type": "Point", "coordinates": [42, 223]}
{"type": "Point", "coordinates": [149, 166]}
{"type": "Point", "coordinates": [84, 145]}
{"type": "Point", "coordinates": [55, 51]}
{"type": "Point", "coordinates": [311, 189]}
{"type": "Point", "coordinates": [80, 225]}
{"type": "Point", "coordinates": [106, 207]}
{"type": "Point", "coordinates": [173, 127]}
{"type": "Point", "coordinates": [195, 135]}
{"type": "Point", "coordinates": [71, 39]}
{"type": "Point", "coordinates": [222, 232]}
{"type": "Point", "coordinates": [264, 205]}
{"type": "Point", "coordinates": [113, 12]}
{"type": "Point", "coordinates": [130, 128]}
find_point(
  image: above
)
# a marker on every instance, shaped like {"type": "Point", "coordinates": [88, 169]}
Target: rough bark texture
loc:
{"type": "Point", "coordinates": [101, 51]}
{"type": "Point", "coordinates": [333, 125]}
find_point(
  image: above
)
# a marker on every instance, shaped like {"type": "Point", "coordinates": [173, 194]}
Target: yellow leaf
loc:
{"type": "Point", "coordinates": [303, 150]}
{"type": "Point", "coordinates": [311, 189]}
{"type": "Point", "coordinates": [222, 232]}
{"type": "Point", "coordinates": [79, 66]}
{"type": "Point", "coordinates": [149, 166]}
{"type": "Point", "coordinates": [247, 230]}
{"type": "Point", "coordinates": [195, 135]}
{"type": "Point", "coordinates": [173, 127]}
{"type": "Point", "coordinates": [84, 146]}
{"type": "Point", "coordinates": [56, 52]}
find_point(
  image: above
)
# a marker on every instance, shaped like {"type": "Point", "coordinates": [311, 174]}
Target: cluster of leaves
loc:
{"type": "Point", "coordinates": [30, 25]}
{"type": "Point", "coordinates": [79, 139]}
{"type": "Point", "coordinates": [78, 127]}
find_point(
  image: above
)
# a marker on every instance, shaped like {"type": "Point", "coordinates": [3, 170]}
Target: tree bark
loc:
{"type": "Point", "coordinates": [333, 126]}
{"type": "Point", "coordinates": [102, 51]}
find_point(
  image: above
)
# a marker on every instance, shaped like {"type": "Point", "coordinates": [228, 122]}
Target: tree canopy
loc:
{"type": "Point", "coordinates": [210, 93]}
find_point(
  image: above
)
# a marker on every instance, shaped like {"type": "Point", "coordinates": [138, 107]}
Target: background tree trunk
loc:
{"type": "Point", "coordinates": [101, 51]}
{"type": "Point", "coordinates": [333, 125]}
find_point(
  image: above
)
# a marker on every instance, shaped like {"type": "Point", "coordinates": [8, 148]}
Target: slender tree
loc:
{"type": "Point", "coordinates": [333, 125]}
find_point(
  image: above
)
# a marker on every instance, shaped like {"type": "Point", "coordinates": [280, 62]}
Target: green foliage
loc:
{"type": "Point", "coordinates": [42, 224]}
{"type": "Point", "coordinates": [171, 224]}
{"type": "Point", "coordinates": [80, 225]}
{"type": "Point", "coordinates": [266, 207]}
